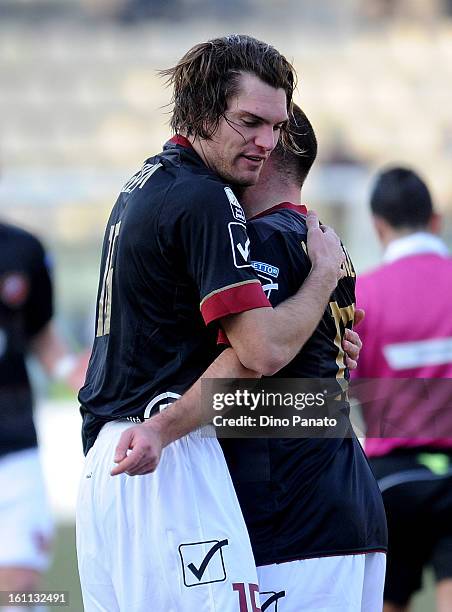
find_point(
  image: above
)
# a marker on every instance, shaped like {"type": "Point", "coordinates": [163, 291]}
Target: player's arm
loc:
{"type": "Point", "coordinates": [267, 339]}
{"type": "Point", "coordinates": [140, 447]}
{"type": "Point", "coordinates": [215, 247]}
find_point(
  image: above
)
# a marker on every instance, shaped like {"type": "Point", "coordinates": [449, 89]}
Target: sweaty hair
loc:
{"type": "Point", "coordinates": [401, 198]}
{"type": "Point", "coordinates": [295, 164]}
{"type": "Point", "coordinates": [209, 74]}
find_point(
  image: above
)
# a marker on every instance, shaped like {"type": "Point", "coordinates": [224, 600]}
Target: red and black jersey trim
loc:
{"type": "Point", "coordinates": [233, 299]}
{"type": "Point", "coordinates": [300, 208]}
{"type": "Point", "coordinates": [181, 141]}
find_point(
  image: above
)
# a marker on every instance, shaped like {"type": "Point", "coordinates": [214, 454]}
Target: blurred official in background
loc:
{"type": "Point", "coordinates": [407, 333]}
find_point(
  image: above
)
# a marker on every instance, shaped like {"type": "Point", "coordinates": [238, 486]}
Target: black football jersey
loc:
{"type": "Point", "coordinates": [305, 497]}
{"type": "Point", "coordinates": [25, 308]}
{"type": "Point", "coordinates": [175, 259]}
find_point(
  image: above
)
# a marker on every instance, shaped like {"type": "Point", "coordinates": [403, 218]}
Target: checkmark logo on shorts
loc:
{"type": "Point", "coordinates": [273, 599]}
{"type": "Point", "coordinates": [202, 562]}
{"type": "Point", "coordinates": [198, 572]}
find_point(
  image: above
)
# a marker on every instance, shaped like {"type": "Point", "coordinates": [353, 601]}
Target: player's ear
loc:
{"type": "Point", "coordinates": [381, 227]}
{"type": "Point", "coordinates": [435, 224]}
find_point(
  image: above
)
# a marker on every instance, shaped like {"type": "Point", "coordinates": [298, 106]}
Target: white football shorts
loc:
{"type": "Point", "coordinates": [349, 583]}
{"type": "Point", "coordinates": [171, 541]}
{"type": "Point", "coordinates": [26, 524]}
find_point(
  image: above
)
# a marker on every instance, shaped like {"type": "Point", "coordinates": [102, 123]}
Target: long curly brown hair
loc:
{"type": "Point", "coordinates": [208, 75]}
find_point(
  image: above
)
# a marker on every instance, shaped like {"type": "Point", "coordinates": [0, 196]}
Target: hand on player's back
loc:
{"type": "Point", "coordinates": [352, 346]}
{"type": "Point", "coordinates": [324, 248]}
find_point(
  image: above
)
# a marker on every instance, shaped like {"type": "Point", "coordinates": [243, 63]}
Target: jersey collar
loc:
{"type": "Point", "coordinates": [183, 146]}
{"type": "Point", "coordinates": [184, 142]}
{"type": "Point", "coordinates": [414, 244]}
{"type": "Point", "coordinates": [181, 141]}
{"type": "Point", "coordinates": [300, 208]}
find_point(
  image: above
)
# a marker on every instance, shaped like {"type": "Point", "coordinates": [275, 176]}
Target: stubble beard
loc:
{"type": "Point", "coordinates": [223, 169]}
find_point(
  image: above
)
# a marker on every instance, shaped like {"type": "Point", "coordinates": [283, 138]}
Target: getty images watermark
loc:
{"type": "Point", "coordinates": [330, 408]}
{"type": "Point", "coordinates": [263, 399]}
{"type": "Point", "coordinates": [276, 407]}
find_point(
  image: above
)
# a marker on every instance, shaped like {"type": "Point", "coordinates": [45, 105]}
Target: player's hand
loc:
{"type": "Point", "coordinates": [138, 451]}
{"type": "Point", "coordinates": [359, 316]}
{"type": "Point", "coordinates": [324, 248]}
{"type": "Point", "coordinates": [352, 346]}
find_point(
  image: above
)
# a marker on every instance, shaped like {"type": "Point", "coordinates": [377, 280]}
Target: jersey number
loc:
{"type": "Point", "coordinates": [104, 306]}
{"type": "Point", "coordinates": [253, 591]}
{"type": "Point", "coordinates": [342, 316]}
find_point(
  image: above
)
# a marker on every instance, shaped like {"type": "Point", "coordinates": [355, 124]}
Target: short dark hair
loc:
{"type": "Point", "coordinates": [296, 165]}
{"type": "Point", "coordinates": [401, 198]}
{"type": "Point", "coordinates": [208, 75]}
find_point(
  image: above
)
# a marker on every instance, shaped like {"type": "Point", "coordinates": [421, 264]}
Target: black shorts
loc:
{"type": "Point", "coordinates": [417, 493]}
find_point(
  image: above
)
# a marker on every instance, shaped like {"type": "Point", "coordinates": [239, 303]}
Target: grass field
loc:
{"type": "Point", "coordinates": [63, 576]}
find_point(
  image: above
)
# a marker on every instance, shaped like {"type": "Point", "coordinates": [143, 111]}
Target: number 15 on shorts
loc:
{"type": "Point", "coordinates": [247, 592]}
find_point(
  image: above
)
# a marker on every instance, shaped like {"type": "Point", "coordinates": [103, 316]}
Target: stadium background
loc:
{"type": "Point", "coordinates": [81, 106]}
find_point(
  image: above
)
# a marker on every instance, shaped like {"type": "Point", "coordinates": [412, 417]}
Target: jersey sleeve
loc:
{"type": "Point", "coordinates": [279, 258]}
{"type": "Point", "coordinates": [39, 307]}
{"type": "Point", "coordinates": [280, 261]}
{"type": "Point", "coordinates": [210, 225]}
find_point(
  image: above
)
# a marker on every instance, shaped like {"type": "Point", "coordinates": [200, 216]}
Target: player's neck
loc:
{"type": "Point", "coordinates": [389, 235]}
{"type": "Point", "coordinates": [197, 146]}
{"type": "Point", "coordinates": [261, 197]}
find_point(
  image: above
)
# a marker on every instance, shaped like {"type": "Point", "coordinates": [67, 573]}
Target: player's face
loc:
{"type": "Point", "coordinates": [248, 132]}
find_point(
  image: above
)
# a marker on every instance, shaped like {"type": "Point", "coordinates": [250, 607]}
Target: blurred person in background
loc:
{"type": "Point", "coordinates": [26, 329]}
{"type": "Point", "coordinates": [407, 333]}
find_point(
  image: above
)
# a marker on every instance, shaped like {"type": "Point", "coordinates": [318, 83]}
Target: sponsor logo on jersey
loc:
{"type": "Point", "coordinates": [133, 419]}
{"type": "Point", "coordinates": [160, 402]}
{"type": "Point", "coordinates": [268, 285]}
{"type": "Point", "coordinates": [266, 268]}
{"type": "Point", "coordinates": [237, 210]}
{"type": "Point", "coordinates": [240, 244]}
{"type": "Point", "coordinates": [14, 289]}
{"type": "Point", "coordinates": [198, 557]}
